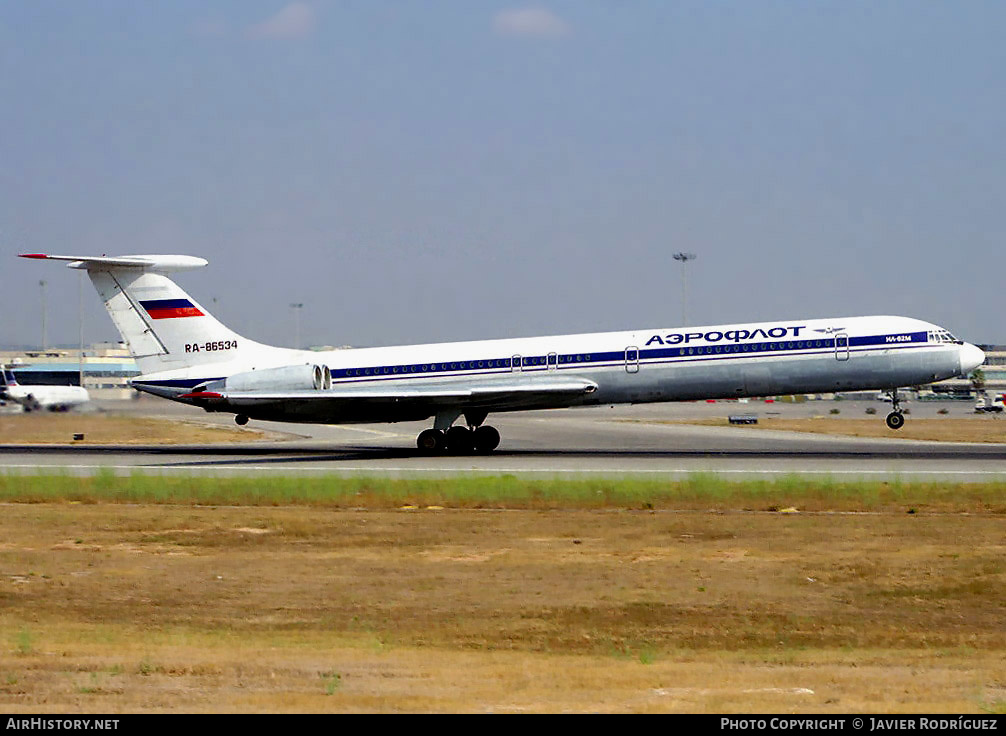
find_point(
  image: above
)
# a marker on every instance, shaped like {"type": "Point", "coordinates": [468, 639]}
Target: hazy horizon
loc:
{"type": "Point", "coordinates": [441, 171]}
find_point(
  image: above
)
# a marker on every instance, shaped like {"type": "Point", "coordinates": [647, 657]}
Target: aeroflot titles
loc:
{"type": "Point", "coordinates": [676, 338]}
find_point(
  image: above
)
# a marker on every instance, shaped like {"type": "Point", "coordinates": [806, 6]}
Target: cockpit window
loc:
{"type": "Point", "coordinates": [944, 336]}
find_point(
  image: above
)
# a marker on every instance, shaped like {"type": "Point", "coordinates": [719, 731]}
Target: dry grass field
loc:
{"type": "Point", "coordinates": [103, 429]}
{"type": "Point", "coordinates": [972, 429]}
{"type": "Point", "coordinates": [124, 607]}
{"type": "Point", "coordinates": [148, 594]}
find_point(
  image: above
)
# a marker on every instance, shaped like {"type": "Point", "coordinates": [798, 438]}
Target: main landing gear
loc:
{"type": "Point", "coordinates": [895, 420]}
{"type": "Point", "coordinates": [476, 437]}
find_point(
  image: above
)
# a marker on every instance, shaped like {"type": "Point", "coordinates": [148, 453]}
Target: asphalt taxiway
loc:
{"type": "Point", "coordinates": [602, 440]}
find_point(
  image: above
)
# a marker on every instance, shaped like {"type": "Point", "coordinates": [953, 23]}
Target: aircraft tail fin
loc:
{"type": "Point", "coordinates": [164, 328]}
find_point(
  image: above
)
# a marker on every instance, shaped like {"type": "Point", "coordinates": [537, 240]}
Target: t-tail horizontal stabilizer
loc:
{"type": "Point", "coordinates": [163, 326]}
{"type": "Point", "coordinates": [161, 263]}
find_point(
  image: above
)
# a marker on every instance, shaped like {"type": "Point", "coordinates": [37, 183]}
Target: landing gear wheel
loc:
{"type": "Point", "coordinates": [241, 419]}
{"type": "Point", "coordinates": [459, 440]}
{"type": "Point", "coordinates": [895, 420]}
{"type": "Point", "coordinates": [486, 439]}
{"type": "Point", "coordinates": [430, 441]}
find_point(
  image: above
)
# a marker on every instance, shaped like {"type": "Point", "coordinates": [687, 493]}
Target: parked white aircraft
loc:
{"type": "Point", "coordinates": [186, 355]}
{"type": "Point", "coordinates": [37, 397]}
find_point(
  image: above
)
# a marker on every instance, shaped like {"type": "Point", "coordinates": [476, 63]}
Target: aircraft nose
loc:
{"type": "Point", "coordinates": [971, 357]}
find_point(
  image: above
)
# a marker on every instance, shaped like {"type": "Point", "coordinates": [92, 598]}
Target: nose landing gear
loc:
{"type": "Point", "coordinates": [895, 420]}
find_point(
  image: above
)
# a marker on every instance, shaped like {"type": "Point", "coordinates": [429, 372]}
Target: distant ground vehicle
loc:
{"type": "Point", "coordinates": [994, 405]}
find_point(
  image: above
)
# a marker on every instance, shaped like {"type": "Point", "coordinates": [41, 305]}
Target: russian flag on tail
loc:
{"type": "Point", "coordinates": [170, 308]}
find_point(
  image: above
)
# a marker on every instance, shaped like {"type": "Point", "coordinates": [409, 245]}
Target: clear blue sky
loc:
{"type": "Point", "coordinates": [425, 171]}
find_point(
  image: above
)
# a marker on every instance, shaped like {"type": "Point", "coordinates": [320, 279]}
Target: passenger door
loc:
{"type": "Point", "coordinates": [841, 346]}
{"type": "Point", "coordinates": [632, 359]}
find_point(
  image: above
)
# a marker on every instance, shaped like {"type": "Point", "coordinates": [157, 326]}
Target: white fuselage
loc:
{"type": "Point", "coordinates": [754, 359]}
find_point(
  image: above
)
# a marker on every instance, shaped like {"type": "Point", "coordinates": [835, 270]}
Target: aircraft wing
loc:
{"type": "Point", "coordinates": [398, 397]}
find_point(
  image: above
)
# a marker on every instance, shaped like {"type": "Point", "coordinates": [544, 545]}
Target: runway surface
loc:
{"type": "Point", "coordinates": [598, 441]}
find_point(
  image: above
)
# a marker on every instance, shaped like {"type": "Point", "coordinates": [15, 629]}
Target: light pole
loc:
{"type": "Point", "coordinates": [296, 307]}
{"type": "Point", "coordinates": [684, 258]}
{"type": "Point", "coordinates": [44, 337]}
{"type": "Point", "coordinates": [80, 329]}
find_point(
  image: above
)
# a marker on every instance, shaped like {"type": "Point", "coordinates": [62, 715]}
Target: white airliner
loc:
{"type": "Point", "coordinates": [35, 398]}
{"type": "Point", "coordinates": [186, 355]}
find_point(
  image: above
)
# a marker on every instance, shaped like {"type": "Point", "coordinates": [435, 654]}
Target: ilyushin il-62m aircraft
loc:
{"type": "Point", "coordinates": [186, 355]}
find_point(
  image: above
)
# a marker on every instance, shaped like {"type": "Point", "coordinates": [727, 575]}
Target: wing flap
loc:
{"type": "Point", "coordinates": [500, 393]}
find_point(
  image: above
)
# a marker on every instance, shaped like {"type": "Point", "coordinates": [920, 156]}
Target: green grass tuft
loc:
{"type": "Point", "coordinates": [705, 491]}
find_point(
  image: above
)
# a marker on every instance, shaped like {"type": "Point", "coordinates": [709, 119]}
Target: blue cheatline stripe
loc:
{"type": "Point", "coordinates": [573, 361]}
{"type": "Point", "coordinates": [895, 339]}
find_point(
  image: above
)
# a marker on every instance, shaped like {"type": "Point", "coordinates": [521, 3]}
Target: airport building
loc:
{"type": "Point", "coordinates": [995, 364]}
{"type": "Point", "coordinates": [104, 369]}
{"type": "Point", "coordinates": [993, 373]}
